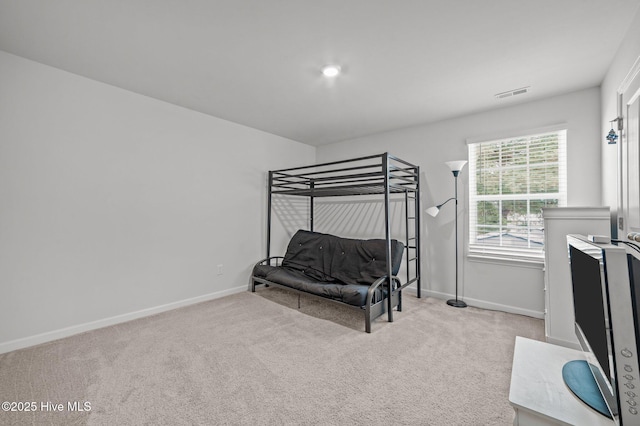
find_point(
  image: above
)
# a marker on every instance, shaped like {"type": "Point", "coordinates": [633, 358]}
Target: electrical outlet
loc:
{"type": "Point", "coordinates": [219, 269]}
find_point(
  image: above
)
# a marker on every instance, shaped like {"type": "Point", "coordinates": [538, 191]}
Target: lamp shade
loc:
{"type": "Point", "coordinates": [433, 211]}
{"type": "Point", "coordinates": [456, 166]}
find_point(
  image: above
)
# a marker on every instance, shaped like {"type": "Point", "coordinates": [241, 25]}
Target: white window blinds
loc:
{"type": "Point", "coordinates": [510, 181]}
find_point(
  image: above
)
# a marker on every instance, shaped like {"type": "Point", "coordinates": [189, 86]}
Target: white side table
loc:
{"type": "Point", "coordinates": [538, 393]}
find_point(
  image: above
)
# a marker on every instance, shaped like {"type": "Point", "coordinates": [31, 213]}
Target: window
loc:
{"type": "Point", "coordinates": [510, 181]}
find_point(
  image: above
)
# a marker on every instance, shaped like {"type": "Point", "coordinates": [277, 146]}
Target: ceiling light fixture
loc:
{"type": "Point", "coordinates": [330, 71]}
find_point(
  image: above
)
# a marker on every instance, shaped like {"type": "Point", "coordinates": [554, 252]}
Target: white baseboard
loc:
{"type": "Point", "coordinates": [486, 304]}
{"type": "Point", "coordinates": [49, 336]}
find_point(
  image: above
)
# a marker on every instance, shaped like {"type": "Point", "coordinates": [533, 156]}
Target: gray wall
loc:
{"type": "Point", "coordinates": [625, 57]}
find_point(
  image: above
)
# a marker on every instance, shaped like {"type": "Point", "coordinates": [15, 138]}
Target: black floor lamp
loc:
{"type": "Point", "coordinates": [456, 167]}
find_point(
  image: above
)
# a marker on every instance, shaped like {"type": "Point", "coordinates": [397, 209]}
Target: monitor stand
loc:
{"type": "Point", "coordinates": [578, 377]}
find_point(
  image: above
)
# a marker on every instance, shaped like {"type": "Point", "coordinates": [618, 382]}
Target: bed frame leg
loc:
{"type": "Point", "coordinates": [390, 301]}
{"type": "Point", "coordinates": [367, 317]}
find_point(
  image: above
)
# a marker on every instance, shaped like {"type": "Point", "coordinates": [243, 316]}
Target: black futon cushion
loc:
{"type": "Point", "coordinates": [334, 267]}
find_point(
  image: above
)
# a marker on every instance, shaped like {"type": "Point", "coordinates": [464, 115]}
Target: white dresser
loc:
{"type": "Point", "coordinates": [558, 295]}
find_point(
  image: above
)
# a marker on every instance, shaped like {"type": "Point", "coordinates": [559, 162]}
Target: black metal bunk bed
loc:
{"type": "Point", "coordinates": [381, 174]}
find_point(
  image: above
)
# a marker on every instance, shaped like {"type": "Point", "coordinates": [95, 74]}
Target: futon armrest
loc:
{"type": "Point", "coordinates": [267, 261]}
{"type": "Point", "coordinates": [377, 283]}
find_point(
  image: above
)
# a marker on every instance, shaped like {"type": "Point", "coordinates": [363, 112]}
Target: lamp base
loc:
{"type": "Point", "coordinates": [456, 303]}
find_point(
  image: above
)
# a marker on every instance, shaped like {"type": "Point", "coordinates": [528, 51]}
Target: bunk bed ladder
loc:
{"type": "Point", "coordinates": [412, 242]}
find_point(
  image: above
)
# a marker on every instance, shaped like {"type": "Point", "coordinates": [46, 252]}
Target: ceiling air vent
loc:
{"type": "Point", "coordinates": [513, 92]}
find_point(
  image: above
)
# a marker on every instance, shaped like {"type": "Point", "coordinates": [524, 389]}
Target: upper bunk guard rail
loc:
{"type": "Point", "coordinates": [359, 176]}
{"type": "Point", "coordinates": [280, 175]}
{"type": "Point", "coordinates": [398, 181]}
{"type": "Point", "coordinates": [352, 160]}
{"type": "Point", "coordinates": [329, 179]}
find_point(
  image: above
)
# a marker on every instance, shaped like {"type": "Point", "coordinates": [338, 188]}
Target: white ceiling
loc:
{"type": "Point", "coordinates": [257, 62]}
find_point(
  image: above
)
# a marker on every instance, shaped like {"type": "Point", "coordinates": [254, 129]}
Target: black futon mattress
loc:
{"type": "Point", "coordinates": [333, 267]}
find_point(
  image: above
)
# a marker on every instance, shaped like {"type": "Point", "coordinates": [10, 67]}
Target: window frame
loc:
{"type": "Point", "coordinates": [478, 252]}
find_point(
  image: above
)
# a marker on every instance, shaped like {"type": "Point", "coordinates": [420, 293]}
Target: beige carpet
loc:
{"type": "Point", "coordinates": [255, 359]}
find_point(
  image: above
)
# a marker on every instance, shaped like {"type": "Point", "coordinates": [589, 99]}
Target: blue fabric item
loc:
{"type": "Point", "coordinates": [578, 377]}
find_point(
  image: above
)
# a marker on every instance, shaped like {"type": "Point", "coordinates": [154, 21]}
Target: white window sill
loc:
{"type": "Point", "coordinates": [530, 261]}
